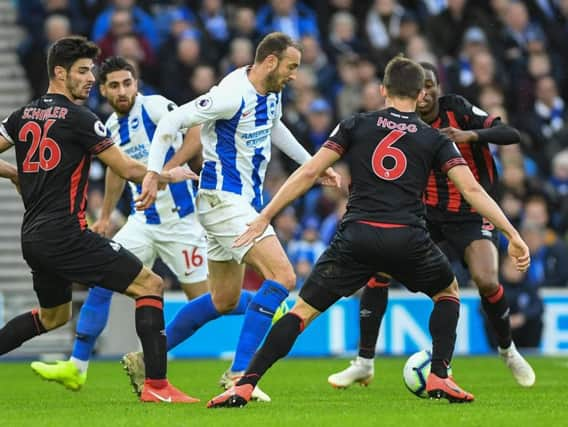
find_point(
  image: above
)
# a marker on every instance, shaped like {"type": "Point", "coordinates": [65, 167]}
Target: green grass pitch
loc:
{"type": "Point", "coordinates": [300, 393]}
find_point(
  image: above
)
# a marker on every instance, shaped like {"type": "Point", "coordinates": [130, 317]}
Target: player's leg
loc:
{"type": "Point", "coordinates": [268, 258]}
{"type": "Point", "coordinates": [54, 295]}
{"type": "Point", "coordinates": [336, 274]}
{"type": "Point", "coordinates": [225, 280]}
{"type": "Point", "coordinates": [147, 289]}
{"type": "Point", "coordinates": [443, 325]}
{"type": "Point", "coordinates": [372, 307]}
{"type": "Point", "coordinates": [277, 345]}
{"type": "Point", "coordinates": [194, 290]}
{"type": "Point", "coordinates": [93, 316]}
{"type": "Point", "coordinates": [186, 255]}
{"type": "Point", "coordinates": [482, 259]}
{"type": "Point", "coordinates": [225, 216]}
{"type": "Point", "coordinates": [422, 267]}
{"type": "Point", "coordinates": [113, 267]}
{"type": "Point", "coordinates": [94, 313]}
{"type": "Point", "coordinates": [53, 292]}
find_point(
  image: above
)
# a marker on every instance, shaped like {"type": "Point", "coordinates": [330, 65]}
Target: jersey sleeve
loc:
{"type": "Point", "coordinates": [8, 127]}
{"type": "Point", "coordinates": [476, 117]}
{"type": "Point", "coordinates": [340, 138]}
{"type": "Point", "coordinates": [278, 115]}
{"type": "Point", "coordinates": [92, 134]}
{"type": "Point", "coordinates": [447, 154]}
{"type": "Point", "coordinates": [158, 106]}
{"type": "Point", "coordinates": [219, 103]}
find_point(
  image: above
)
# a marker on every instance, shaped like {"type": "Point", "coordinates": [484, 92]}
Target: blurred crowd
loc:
{"type": "Point", "coordinates": [506, 56]}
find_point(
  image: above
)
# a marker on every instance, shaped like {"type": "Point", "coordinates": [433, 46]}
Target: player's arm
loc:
{"type": "Point", "coordinates": [132, 170]}
{"type": "Point", "coordinates": [189, 150]}
{"type": "Point", "coordinates": [499, 133]}
{"type": "Point", "coordinates": [114, 186]}
{"type": "Point", "coordinates": [482, 127]}
{"type": "Point", "coordinates": [218, 103]}
{"type": "Point", "coordinates": [477, 197]}
{"type": "Point", "coordinates": [7, 170]}
{"type": "Point", "coordinates": [289, 145]}
{"type": "Point", "coordinates": [297, 184]}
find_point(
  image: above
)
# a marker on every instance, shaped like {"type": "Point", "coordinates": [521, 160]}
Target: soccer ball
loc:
{"type": "Point", "coordinates": [415, 372]}
{"type": "Point", "coordinates": [280, 311]}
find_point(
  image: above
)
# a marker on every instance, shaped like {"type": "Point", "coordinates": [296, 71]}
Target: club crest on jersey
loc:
{"type": "Point", "coordinates": [115, 246]}
{"type": "Point", "coordinates": [271, 108]}
{"type": "Point", "coordinates": [204, 103]}
{"type": "Point", "coordinates": [101, 130]}
{"type": "Point", "coordinates": [135, 124]}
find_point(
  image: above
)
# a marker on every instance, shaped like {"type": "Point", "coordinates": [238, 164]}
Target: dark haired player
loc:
{"type": "Point", "coordinates": [451, 218]}
{"type": "Point", "coordinates": [391, 154]}
{"type": "Point", "coordinates": [54, 140]}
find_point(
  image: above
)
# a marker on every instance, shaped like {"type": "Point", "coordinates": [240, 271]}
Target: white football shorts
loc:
{"type": "Point", "coordinates": [181, 245]}
{"type": "Point", "coordinates": [225, 217]}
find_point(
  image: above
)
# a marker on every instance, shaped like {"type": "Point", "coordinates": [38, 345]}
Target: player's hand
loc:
{"type": "Point", "coordinates": [255, 229]}
{"type": "Point", "coordinates": [181, 173]}
{"type": "Point", "coordinates": [459, 136]}
{"type": "Point", "coordinates": [149, 191]}
{"type": "Point", "coordinates": [330, 178]}
{"type": "Point", "coordinates": [102, 227]}
{"type": "Point", "coordinates": [519, 252]}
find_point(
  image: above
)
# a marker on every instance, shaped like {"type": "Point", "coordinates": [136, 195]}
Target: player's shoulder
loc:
{"type": "Point", "coordinates": [453, 102]}
{"type": "Point", "coordinates": [111, 120]}
{"type": "Point", "coordinates": [235, 78]}
{"type": "Point", "coordinates": [158, 102]}
{"type": "Point", "coordinates": [81, 112]}
{"type": "Point", "coordinates": [85, 119]}
{"type": "Point", "coordinates": [353, 120]}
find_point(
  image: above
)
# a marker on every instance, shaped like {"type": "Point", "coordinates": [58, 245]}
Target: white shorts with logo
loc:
{"type": "Point", "coordinates": [225, 216]}
{"type": "Point", "coordinates": [180, 244]}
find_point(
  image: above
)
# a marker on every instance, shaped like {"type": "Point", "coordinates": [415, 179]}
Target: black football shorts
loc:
{"type": "Point", "coordinates": [459, 235]}
{"type": "Point", "coordinates": [358, 251]}
{"type": "Point", "coordinates": [58, 260]}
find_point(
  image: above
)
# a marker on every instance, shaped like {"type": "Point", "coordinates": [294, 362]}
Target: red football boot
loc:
{"type": "Point", "coordinates": [236, 397]}
{"type": "Point", "coordinates": [167, 394]}
{"type": "Point", "coordinates": [446, 387]}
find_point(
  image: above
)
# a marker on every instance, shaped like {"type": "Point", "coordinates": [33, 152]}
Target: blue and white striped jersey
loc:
{"type": "Point", "coordinates": [236, 144]}
{"type": "Point", "coordinates": [133, 133]}
{"type": "Point", "coordinates": [236, 135]}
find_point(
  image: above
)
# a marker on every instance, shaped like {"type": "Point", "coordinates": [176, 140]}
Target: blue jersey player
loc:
{"type": "Point", "coordinates": [240, 120]}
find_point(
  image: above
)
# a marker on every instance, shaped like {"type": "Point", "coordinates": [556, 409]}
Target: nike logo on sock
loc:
{"type": "Point", "coordinates": [265, 311]}
{"type": "Point", "coordinates": [162, 398]}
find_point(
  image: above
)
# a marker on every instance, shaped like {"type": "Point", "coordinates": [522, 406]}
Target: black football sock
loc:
{"type": "Point", "coordinates": [496, 308]}
{"type": "Point", "coordinates": [443, 324]}
{"type": "Point", "coordinates": [151, 331]}
{"type": "Point", "coordinates": [278, 344]}
{"type": "Point", "coordinates": [20, 329]}
{"type": "Point", "coordinates": [371, 311]}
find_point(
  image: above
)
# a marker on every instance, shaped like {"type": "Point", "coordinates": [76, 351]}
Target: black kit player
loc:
{"type": "Point", "coordinates": [452, 220]}
{"type": "Point", "coordinates": [391, 153]}
{"type": "Point", "coordinates": [54, 140]}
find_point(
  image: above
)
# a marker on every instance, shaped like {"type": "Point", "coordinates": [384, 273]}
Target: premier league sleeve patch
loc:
{"type": "Point", "coordinates": [101, 130]}
{"type": "Point", "coordinates": [204, 102]}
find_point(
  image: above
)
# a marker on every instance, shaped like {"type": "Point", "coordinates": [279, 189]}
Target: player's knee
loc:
{"type": "Point", "coordinates": [486, 281]}
{"type": "Point", "coordinates": [451, 291]}
{"type": "Point", "coordinates": [194, 290]}
{"type": "Point", "coordinates": [286, 277]}
{"type": "Point", "coordinates": [224, 303]}
{"type": "Point", "coordinates": [56, 319]}
{"type": "Point", "coordinates": [154, 285]}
